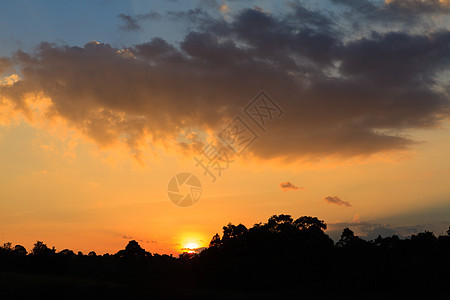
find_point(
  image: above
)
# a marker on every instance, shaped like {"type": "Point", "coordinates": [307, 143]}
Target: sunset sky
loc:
{"type": "Point", "coordinates": [103, 102]}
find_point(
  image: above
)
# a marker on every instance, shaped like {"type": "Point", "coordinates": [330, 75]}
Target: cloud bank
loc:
{"type": "Point", "coordinates": [344, 95]}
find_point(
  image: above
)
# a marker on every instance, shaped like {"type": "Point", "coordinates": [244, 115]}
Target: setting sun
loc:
{"type": "Point", "coordinates": [208, 145]}
{"type": "Point", "coordinates": [191, 247]}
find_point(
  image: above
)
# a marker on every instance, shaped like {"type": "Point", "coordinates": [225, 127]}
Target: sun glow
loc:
{"type": "Point", "coordinates": [191, 241]}
{"type": "Point", "coordinates": [191, 247]}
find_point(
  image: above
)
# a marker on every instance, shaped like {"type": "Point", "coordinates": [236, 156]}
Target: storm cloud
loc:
{"type": "Point", "coordinates": [343, 96]}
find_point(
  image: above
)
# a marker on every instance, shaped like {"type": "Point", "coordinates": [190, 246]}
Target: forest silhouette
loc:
{"type": "Point", "coordinates": [277, 259]}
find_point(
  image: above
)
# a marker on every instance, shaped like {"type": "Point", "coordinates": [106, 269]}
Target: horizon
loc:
{"type": "Point", "coordinates": [193, 248]}
{"type": "Point", "coordinates": [163, 121]}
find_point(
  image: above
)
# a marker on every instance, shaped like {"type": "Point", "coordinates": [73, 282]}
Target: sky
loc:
{"type": "Point", "coordinates": [337, 109]}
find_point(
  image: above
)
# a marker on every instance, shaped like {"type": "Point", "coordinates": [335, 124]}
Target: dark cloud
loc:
{"type": "Point", "coordinates": [336, 200]}
{"type": "Point", "coordinates": [393, 11]}
{"type": "Point", "coordinates": [371, 230]}
{"type": "Point", "coordinates": [130, 23]}
{"type": "Point", "coordinates": [197, 19]}
{"type": "Point", "coordinates": [5, 65]}
{"type": "Point", "coordinates": [397, 59]}
{"type": "Point", "coordinates": [286, 186]}
{"type": "Point", "coordinates": [133, 22]}
{"type": "Point", "coordinates": [150, 15]}
{"type": "Point", "coordinates": [342, 96]}
{"type": "Point", "coordinates": [419, 6]}
{"type": "Point", "coordinates": [403, 224]}
{"type": "Point", "coordinates": [301, 16]}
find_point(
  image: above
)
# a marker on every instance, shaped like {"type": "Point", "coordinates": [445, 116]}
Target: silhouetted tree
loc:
{"type": "Point", "coordinates": [259, 259]}
{"type": "Point", "coordinates": [307, 222]}
{"type": "Point", "coordinates": [133, 250]}
{"type": "Point", "coordinates": [231, 231]}
{"type": "Point", "coordinates": [378, 241]}
{"type": "Point", "coordinates": [350, 240]}
{"type": "Point", "coordinates": [20, 250]}
{"type": "Point", "coordinates": [424, 239]}
{"type": "Point", "coordinates": [387, 242]}
{"type": "Point", "coordinates": [279, 223]}
{"type": "Point", "coordinates": [187, 255]}
{"type": "Point", "coordinates": [67, 252]}
{"type": "Point", "coordinates": [346, 237]}
{"type": "Point", "coordinates": [41, 249]}
{"type": "Point", "coordinates": [6, 249]}
{"type": "Point", "coordinates": [215, 241]}
{"type": "Point", "coordinates": [311, 232]}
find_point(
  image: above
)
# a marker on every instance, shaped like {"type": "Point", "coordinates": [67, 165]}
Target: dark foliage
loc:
{"type": "Point", "coordinates": [280, 258]}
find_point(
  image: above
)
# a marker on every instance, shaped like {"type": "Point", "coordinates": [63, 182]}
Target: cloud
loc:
{"type": "Point", "coordinates": [338, 201]}
{"type": "Point", "coordinates": [371, 230]}
{"type": "Point", "coordinates": [343, 96]}
{"type": "Point", "coordinates": [128, 237]}
{"type": "Point", "coordinates": [405, 224]}
{"type": "Point", "coordinates": [5, 65]}
{"type": "Point", "coordinates": [409, 12]}
{"type": "Point", "coordinates": [286, 186]}
{"type": "Point", "coordinates": [132, 23]}
{"type": "Point", "coordinates": [224, 8]}
{"type": "Point", "coordinates": [196, 250]}
{"type": "Point", "coordinates": [418, 6]}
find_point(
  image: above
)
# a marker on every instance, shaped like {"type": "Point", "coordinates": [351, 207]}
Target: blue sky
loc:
{"type": "Point", "coordinates": [29, 22]}
{"type": "Point", "coordinates": [71, 22]}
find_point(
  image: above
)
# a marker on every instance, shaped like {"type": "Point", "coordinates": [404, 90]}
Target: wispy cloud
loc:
{"type": "Point", "coordinates": [336, 200]}
{"type": "Point", "coordinates": [286, 186]}
{"type": "Point", "coordinates": [128, 237]}
{"type": "Point", "coordinates": [130, 23]}
{"type": "Point", "coordinates": [133, 22]}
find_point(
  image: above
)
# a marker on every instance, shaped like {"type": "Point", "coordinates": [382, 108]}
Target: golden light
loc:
{"type": "Point", "coordinates": [190, 247]}
{"type": "Point", "coordinates": [190, 241]}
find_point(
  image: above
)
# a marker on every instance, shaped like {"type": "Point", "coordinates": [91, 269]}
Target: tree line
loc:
{"type": "Point", "coordinates": [281, 256]}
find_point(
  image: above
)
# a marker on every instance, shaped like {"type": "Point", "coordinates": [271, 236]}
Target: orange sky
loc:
{"type": "Point", "coordinates": [95, 199]}
{"type": "Point", "coordinates": [97, 116]}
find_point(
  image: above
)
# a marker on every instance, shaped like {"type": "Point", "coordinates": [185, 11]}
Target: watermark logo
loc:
{"type": "Point", "coordinates": [184, 189]}
{"type": "Point", "coordinates": [263, 109]}
{"type": "Point", "coordinates": [234, 140]}
{"type": "Point", "coordinates": [213, 161]}
{"type": "Point", "coordinates": [238, 135]}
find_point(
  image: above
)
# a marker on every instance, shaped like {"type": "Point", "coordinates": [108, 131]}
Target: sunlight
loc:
{"type": "Point", "coordinates": [190, 247]}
